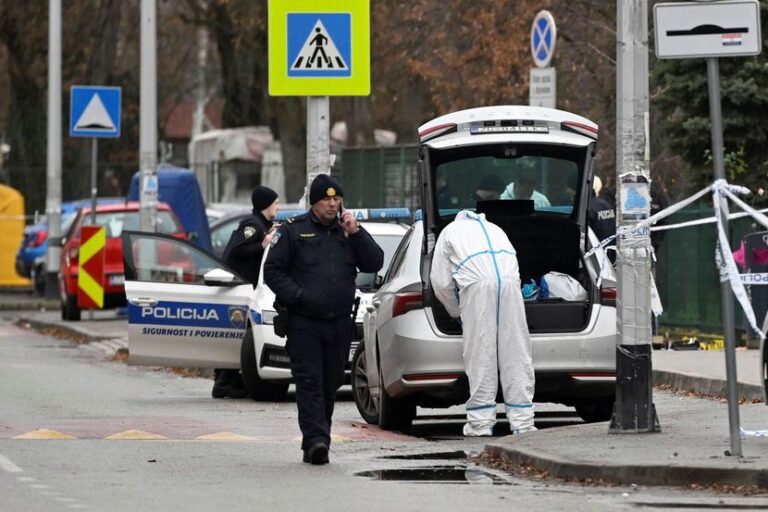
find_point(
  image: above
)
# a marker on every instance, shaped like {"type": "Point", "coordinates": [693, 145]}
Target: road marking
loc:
{"type": "Point", "coordinates": [225, 436]}
{"type": "Point", "coordinates": [25, 479]}
{"type": "Point", "coordinates": [44, 433]}
{"type": "Point", "coordinates": [9, 466]}
{"type": "Point", "coordinates": [136, 435]}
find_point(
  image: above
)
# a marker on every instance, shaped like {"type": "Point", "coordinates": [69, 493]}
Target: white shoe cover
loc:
{"type": "Point", "coordinates": [524, 430]}
{"type": "Point", "coordinates": [471, 431]}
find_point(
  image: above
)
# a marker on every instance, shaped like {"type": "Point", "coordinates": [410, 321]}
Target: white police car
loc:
{"type": "Point", "coordinates": [187, 308]}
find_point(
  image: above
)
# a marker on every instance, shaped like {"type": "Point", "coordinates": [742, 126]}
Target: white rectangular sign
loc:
{"type": "Point", "coordinates": [707, 29]}
{"type": "Point", "coordinates": [543, 87]}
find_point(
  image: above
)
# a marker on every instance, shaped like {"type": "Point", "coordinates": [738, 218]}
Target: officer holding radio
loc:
{"type": "Point", "coordinates": [312, 267]}
{"type": "Point", "coordinates": [243, 253]}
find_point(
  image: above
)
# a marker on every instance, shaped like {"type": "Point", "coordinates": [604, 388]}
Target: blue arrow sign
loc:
{"type": "Point", "coordinates": [94, 111]}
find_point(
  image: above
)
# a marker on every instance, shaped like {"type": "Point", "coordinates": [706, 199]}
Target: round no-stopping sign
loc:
{"type": "Point", "coordinates": [543, 36]}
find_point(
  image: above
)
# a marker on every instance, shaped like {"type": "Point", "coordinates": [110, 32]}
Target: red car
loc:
{"type": "Point", "coordinates": [115, 218]}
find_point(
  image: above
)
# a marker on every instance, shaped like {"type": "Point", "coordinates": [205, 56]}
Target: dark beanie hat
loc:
{"type": "Point", "coordinates": [324, 186]}
{"type": "Point", "coordinates": [262, 197]}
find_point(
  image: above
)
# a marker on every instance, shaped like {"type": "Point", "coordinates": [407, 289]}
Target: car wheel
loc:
{"type": "Point", "coordinates": [396, 413]}
{"type": "Point", "coordinates": [70, 310]}
{"type": "Point", "coordinates": [595, 409]}
{"type": "Point", "coordinates": [366, 404]}
{"type": "Point", "coordinates": [259, 389]}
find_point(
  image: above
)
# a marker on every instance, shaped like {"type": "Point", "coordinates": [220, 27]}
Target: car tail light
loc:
{"type": "Point", "coordinates": [181, 236]}
{"type": "Point", "coordinates": [608, 296]}
{"type": "Point", "coordinates": [405, 302]}
{"type": "Point", "coordinates": [38, 240]}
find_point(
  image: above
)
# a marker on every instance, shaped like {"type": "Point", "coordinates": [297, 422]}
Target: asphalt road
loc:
{"type": "Point", "coordinates": [77, 432]}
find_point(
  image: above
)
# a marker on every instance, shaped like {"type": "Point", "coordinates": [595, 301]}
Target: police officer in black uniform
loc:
{"type": "Point", "coordinates": [312, 267]}
{"type": "Point", "coordinates": [601, 217]}
{"type": "Point", "coordinates": [243, 253]}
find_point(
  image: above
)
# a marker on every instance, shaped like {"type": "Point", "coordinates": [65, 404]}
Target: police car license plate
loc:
{"type": "Point", "coordinates": [116, 279]}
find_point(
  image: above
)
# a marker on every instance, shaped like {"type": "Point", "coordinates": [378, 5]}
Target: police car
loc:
{"type": "Point", "coordinates": [187, 308]}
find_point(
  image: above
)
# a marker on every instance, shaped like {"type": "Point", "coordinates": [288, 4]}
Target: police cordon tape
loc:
{"type": "Point", "coordinates": [721, 190]}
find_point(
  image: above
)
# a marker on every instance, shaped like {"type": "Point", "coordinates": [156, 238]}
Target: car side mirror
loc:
{"type": "Point", "coordinates": [220, 277]}
{"type": "Point", "coordinates": [378, 280]}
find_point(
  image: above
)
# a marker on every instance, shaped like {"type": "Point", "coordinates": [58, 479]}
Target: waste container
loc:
{"type": "Point", "coordinates": [756, 262]}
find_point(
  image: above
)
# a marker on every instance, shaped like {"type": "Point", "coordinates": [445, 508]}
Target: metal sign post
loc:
{"type": "Point", "coordinates": [726, 294]}
{"type": "Point", "coordinates": [53, 164]}
{"type": "Point", "coordinates": [713, 30]}
{"type": "Point", "coordinates": [319, 48]}
{"type": "Point", "coordinates": [148, 187]}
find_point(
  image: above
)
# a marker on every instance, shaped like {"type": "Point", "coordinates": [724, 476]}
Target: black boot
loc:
{"type": "Point", "coordinates": [221, 387]}
{"type": "Point", "coordinates": [316, 454]}
{"type": "Point", "coordinates": [236, 386]}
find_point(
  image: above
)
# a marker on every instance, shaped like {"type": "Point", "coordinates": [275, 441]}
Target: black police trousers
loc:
{"type": "Point", "coordinates": [319, 350]}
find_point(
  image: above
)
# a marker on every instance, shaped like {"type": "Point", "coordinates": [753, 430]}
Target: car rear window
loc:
{"type": "Point", "coordinates": [548, 175]}
{"type": "Point", "coordinates": [116, 222]}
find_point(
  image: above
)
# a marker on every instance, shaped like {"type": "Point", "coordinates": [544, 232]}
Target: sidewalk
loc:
{"type": "Point", "coordinates": [691, 447]}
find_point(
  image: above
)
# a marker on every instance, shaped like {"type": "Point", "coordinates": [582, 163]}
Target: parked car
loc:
{"type": "Point", "coordinates": [412, 353]}
{"type": "Point", "coordinates": [210, 317]}
{"type": "Point", "coordinates": [30, 259]}
{"type": "Point", "coordinates": [115, 218]}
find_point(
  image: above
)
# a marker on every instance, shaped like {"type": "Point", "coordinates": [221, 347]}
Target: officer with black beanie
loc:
{"type": "Point", "coordinates": [312, 267]}
{"type": "Point", "coordinates": [243, 254]}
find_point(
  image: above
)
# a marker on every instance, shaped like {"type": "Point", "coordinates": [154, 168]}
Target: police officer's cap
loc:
{"type": "Point", "coordinates": [262, 198]}
{"type": "Point", "coordinates": [324, 186]}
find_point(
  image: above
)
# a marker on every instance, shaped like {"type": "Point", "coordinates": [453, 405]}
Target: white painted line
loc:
{"type": "Point", "coordinates": [39, 486]}
{"type": "Point", "coordinates": [9, 466]}
{"type": "Point", "coordinates": [25, 479]}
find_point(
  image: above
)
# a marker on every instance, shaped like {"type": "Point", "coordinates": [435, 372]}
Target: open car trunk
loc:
{"type": "Point", "coordinates": [544, 243]}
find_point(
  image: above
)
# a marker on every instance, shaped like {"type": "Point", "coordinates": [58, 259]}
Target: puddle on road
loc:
{"type": "Point", "coordinates": [436, 475]}
{"type": "Point", "coordinates": [457, 455]}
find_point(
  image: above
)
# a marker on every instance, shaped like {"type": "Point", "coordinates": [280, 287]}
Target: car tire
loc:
{"type": "Point", "coordinates": [258, 389]}
{"type": "Point", "coordinates": [595, 410]}
{"type": "Point", "coordinates": [396, 413]}
{"type": "Point", "coordinates": [366, 404]}
{"type": "Point", "coordinates": [70, 310]}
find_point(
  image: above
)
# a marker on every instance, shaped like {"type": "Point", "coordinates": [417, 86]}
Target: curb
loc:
{"type": "Point", "coordinates": [706, 386]}
{"type": "Point", "coordinates": [109, 345]}
{"type": "Point", "coordinates": [642, 474]}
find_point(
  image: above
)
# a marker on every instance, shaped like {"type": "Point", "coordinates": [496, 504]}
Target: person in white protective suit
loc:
{"type": "Point", "coordinates": [476, 276]}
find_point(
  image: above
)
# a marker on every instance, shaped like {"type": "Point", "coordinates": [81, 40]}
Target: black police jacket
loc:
{"type": "Point", "coordinates": [312, 267]}
{"type": "Point", "coordinates": [244, 251]}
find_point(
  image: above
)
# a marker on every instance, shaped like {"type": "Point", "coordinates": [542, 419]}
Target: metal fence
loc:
{"type": "Point", "coordinates": [688, 281]}
{"type": "Point", "coordinates": [380, 177]}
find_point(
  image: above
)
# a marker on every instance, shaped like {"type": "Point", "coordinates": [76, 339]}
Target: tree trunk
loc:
{"type": "Point", "coordinates": [290, 119]}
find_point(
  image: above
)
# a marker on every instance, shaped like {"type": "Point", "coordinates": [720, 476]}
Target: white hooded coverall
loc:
{"type": "Point", "coordinates": [476, 258]}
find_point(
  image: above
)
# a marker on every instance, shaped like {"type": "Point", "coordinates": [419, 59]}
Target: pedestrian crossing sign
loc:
{"type": "Point", "coordinates": [94, 111]}
{"type": "Point", "coordinates": [319, 47]}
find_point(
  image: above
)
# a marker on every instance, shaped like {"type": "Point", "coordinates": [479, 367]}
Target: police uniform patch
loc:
{"type": "Point", "coordinates": [331, 192]}
{"type": "Point", "coordinates": [306, 235]}
{"type": "Point", "coordinates": [275, 238]}
{"type": "Point", "coordinates": [249, 231]}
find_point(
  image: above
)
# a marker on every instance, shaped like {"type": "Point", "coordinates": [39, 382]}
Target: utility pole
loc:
{"type": "Point", "coordinates": [148, 117]}
{"type": "Point", "coordinates": [53, 168]}
{"type": "Point", "coordinates": [634, 411]}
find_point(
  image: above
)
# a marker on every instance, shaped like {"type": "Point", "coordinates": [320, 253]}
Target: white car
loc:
{"type": "Point", "coordinates": [412, 353]}
{"type": "Point", "coordinates": [187, 308]}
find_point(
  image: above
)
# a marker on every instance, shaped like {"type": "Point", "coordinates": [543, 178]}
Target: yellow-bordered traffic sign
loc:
{"type": "Point", "coordinates": [319, 48]}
